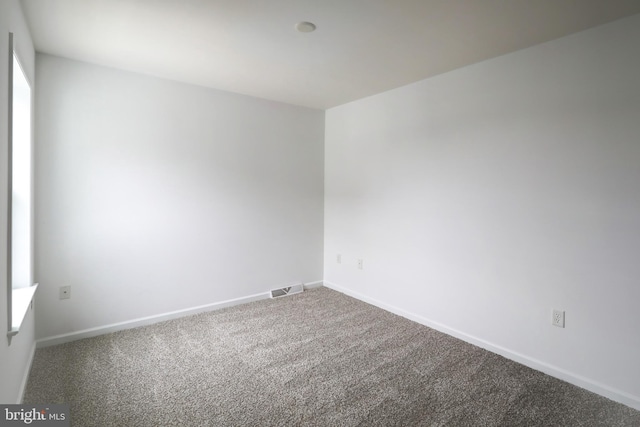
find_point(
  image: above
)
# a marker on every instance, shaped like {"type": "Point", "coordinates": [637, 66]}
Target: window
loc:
{"type": "Point", "coordinates": [19, 262]}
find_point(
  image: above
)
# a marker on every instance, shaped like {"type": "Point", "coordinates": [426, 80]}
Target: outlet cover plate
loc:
{"type": "Point", "coordinates": [558, 318]}
{"type": "Point", "coordinates": [65, 292]}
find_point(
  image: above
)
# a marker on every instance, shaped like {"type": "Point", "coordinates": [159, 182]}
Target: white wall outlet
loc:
{"type": "Point", "coordinates": [65, 292]}
{"type": "Point", "coordinates": [360, 264]}
{"type": "Point", "coordinates": [558, 318]}
{"type": "Point", "coordinates": [339, 259]}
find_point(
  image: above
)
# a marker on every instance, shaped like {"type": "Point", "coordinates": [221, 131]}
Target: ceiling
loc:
{"type": "Point", "coordinates": [360, 47]}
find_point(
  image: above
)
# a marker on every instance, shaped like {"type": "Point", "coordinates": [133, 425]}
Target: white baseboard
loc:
{"type": "Point", "coordinates": [149, 320]}
{"type": "Point", "coordinates": [578, 380]}
{"type": "Point", "coordinates": [312, 285]}
{"type": "Point", "coordinates": [143, 321]}
{"type": "Point", "coordinates": [25, 375]}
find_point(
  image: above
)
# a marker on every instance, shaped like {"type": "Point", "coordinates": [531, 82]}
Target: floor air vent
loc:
{"type": "Point", "coordinates": [289, 290]}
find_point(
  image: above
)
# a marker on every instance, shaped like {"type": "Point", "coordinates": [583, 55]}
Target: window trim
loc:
{"type": "Point", "coordinates": [19, 299]}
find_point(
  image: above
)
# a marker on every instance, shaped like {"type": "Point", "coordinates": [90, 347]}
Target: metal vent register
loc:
{"type": "Point", "coordinates": [289, 290]}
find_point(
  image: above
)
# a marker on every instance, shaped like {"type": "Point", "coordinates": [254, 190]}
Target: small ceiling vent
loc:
{"type": "Point", "coordinates": [289, 290]}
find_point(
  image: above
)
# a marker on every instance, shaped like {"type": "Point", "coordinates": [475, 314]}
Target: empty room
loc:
{"type": "Point", "coordinates": [327, 213]}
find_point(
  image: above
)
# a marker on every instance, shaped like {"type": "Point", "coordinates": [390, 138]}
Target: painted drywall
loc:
{"type": "Point", "coordinates": [155, 196]}
{"type": "Point", "coordinates": [15, 356]}
{"type": "Point", "coordinates": [481, 199]}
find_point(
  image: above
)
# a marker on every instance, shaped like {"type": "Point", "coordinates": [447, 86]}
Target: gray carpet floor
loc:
{"type": "Point", "coordinates": [319, 358]}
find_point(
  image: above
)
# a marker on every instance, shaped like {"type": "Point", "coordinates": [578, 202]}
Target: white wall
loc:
{"type": "Point", "coordinates": [482, 198]}
{"type": "Point", "coordinates": [154, 196]}
{"type": "Point", "coordinates": [15, 358]}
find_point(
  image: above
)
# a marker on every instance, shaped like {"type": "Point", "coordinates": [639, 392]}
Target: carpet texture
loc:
{"type": "Point", "coordinates": [319, 358]}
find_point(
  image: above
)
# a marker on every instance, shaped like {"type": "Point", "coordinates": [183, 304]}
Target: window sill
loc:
{"type": "Point", "coordinates": [20, 301]}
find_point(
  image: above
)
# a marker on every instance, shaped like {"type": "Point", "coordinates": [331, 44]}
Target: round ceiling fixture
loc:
{"type": "Point", "coordinates": [305, 27]}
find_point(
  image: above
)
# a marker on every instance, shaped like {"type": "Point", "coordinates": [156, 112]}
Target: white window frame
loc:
{"type": "Point", "coordinates": [20, 291]}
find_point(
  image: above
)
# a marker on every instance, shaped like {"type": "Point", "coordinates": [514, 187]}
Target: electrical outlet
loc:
{"type": "Point", "coordinates": [65, 292]}
{"type": "Point", "coordinates": [360, 264]}
{"type": "Point", "coordinates": [339, 259]}
{"type": "Point", "coordinates": [558, 318]}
